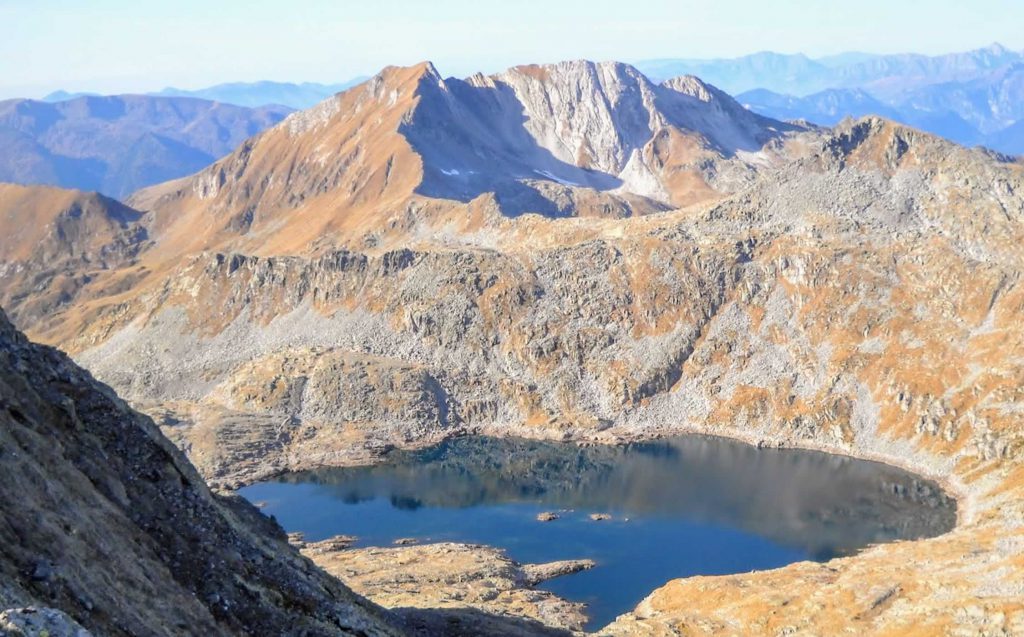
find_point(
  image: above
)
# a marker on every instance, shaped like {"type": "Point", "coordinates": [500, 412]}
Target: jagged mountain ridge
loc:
{"type": "Point", "coordinates": [571, 139]}
{"type": "Point", "coordinates": [575, 123]}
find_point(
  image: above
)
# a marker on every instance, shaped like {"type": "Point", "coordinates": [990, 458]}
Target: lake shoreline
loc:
{"type": "Point", "coordinates": [950, 483]}
{"type": "Point", "coordinates": [799, 504]}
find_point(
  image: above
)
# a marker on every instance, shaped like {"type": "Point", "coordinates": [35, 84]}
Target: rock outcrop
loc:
{"type": "Point", "coordinates": [458, 589]}
{"type": "Point", "coordinates": [36, 622]}
{"type": "Point", "coordinates": [105, 520]}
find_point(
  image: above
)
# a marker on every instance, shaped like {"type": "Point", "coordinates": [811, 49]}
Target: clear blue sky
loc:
{"type": "Point", "coordinates": [120, 46]}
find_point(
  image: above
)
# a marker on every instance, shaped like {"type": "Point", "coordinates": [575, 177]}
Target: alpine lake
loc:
{"type": "Point", "coordinates": [677, 507]}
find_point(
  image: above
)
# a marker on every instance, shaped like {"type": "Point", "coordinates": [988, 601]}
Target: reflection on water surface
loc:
{"type": "Point", "coordinates": [694, 504]}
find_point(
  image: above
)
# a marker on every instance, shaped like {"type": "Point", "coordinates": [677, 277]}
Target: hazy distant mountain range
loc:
{"type": "Point", "coordinates": [116, 145]}
{"type": "Point", "coordinates": [797, 74]}
{"type": "Point", "coordinates": [831, 106]}
{"type": "Point", "coordinates": [251, 94]}
{"type": "Point", "coordinates": [975, 97]}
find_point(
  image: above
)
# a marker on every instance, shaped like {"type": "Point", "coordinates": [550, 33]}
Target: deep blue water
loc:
{"type": "Point", "coordinates": [687, 506]}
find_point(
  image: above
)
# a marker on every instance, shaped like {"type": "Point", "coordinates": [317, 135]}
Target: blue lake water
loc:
{"type": "Point", "coordinates": [693, 505]}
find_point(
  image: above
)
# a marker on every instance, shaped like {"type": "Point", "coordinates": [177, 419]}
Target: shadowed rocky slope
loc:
{"type": "Point", "coordinates": [104, 519]}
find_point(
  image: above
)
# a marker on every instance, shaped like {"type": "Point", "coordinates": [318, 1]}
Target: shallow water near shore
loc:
{"type": "Point", "coordinates": [692, 505]}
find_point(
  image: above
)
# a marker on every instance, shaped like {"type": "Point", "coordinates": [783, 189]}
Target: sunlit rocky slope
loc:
{"type": "Point", "coordinates": [575, 252]}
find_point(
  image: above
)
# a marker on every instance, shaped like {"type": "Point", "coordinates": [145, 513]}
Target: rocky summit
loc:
{"type": "Point", "coordinates": [574, 252]}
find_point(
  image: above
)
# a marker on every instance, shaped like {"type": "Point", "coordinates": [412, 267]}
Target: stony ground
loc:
{"type": "Point", "coordinates": [468, 589]}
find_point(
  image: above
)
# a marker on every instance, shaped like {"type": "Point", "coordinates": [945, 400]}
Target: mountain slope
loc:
{"type": "Point", "coordinates": [409, 147]}
{"type": "Point", "coordinates": [58, 243]}
{"type": "Point", "coordinates": [47, 224]}
{"type": "Point", "coordinates": [107, 521]}
{"type": "Point", "coordinates": [118, 144]}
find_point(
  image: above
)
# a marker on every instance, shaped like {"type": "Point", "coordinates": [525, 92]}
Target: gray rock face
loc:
{"type": "Point", "coordinates": [586, 114]}
{"type": "Point", "coordinates": [39, 622]}
{"type": "Point", "coordinates": [575, 123]}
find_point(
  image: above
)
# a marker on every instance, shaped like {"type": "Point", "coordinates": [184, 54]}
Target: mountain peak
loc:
{"type": "Point", "coordinates": [426, 69]}
{"type": "Point", "coordinates": [996, 49]}
{"type": "Point", "coordinates": [693, 86]}
{"type": "Point", "coordinates": [394, 82]}
{"type": "Point", "coordinates": [884, 144]}
{"type": "Point", "coordinates": [574, 137]}
{"type": "Point", "coordinates": [394, 86]}
{"type": "Point", "coordinates": [419, 71]}
{"type": "Point", "coordinates": [608, 73]}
